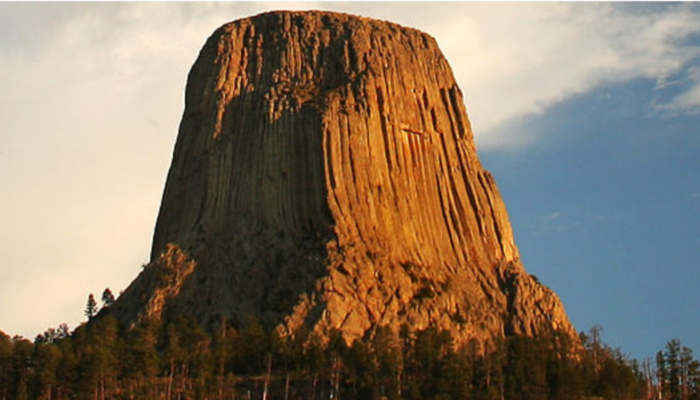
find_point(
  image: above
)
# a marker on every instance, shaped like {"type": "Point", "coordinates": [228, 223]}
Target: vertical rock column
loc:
{"type": "Point", "coordinates": [325, 174]}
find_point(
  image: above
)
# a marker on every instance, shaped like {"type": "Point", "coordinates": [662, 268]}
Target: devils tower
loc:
{"type": "Point", "coordinates": [325, 175]}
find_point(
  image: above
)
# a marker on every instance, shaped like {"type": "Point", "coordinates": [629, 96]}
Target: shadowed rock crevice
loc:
{"type": "Point", "coordinates": [325, 175]}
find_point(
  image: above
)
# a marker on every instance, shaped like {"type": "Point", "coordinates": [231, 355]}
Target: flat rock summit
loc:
{"type": "Point", "coordinates": [325, 176]}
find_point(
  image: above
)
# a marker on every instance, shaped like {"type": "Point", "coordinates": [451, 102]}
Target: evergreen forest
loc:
{"type": "Point", "coordinates": [181, 360]}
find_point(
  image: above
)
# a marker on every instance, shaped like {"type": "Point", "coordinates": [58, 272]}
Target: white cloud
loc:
{"type": "Point", "coordinates": [92, 95]}
{"type": "Point", "coordinates": [288, 5]}
{"type": "Point", "coordinates": [512, 60]}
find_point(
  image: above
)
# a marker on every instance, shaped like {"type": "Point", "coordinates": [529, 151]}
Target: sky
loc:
{"type": "Point", "coordinates": [587, 114]}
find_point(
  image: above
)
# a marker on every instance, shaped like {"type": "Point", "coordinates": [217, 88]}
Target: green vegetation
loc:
{"type": "Point", "coordinates": [90, 307]}
{"type": "Point", "coordinates": [101, 360]}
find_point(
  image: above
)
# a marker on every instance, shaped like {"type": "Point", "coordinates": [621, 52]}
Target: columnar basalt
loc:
{"type": "Point", "coordinates": [325, 175]}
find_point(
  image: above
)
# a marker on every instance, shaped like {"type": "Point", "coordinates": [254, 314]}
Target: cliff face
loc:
{"type": "Point", "coordinates": [325, 175]}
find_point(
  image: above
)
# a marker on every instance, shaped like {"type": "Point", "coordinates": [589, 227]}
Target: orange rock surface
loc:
{"type": "Point", "coordinates": [325, 175]}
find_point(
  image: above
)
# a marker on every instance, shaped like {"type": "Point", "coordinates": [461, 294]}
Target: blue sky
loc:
{"type": "Point", "coordinates": [586, 113]}
{"type": "Point", "coordinates": [607, 213]}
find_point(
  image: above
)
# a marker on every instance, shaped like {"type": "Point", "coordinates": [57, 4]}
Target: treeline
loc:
{"type": "Point", "coordinates": [101, 360]}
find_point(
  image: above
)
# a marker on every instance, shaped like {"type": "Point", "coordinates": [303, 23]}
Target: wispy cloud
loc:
{"type": "Point", "coordinates": [514, 60]}
{"type": "Point", "coordinates": [554, 222]}
{"type": "Point", "coordinates": [688, 100]}
{"type": "Point", "coordinates": [547, 219]}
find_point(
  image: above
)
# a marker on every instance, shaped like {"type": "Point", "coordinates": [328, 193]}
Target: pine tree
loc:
{"type": "Point", "coordinates": [107, 298]}
{"type": "Point", "coordinates": [47, 358]}
{"type": "Point", "coordinates": [6, 350]}
{"type": "Point", "coordinates": [175, 359]}
{"type": "Point", "coordinates": [672, 355]}
{"type": "Point", "coordinates": [67, 371]}
{"type": "Point", "coordinates": [21, 368]}
{"type": "Point", "coordinates": [678, 373]}
{"type": "Point", "coordinates": [98, 364]}
{"type": "Point", "coordinates": [91, 307]}
{"type": "Point", "coordinates": [139, 362]}
{"type": "Point", "coordinates": [386, 346]}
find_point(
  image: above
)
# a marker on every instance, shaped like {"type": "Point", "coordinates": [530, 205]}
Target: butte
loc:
{"type": "Point", "coordinates": [325, 176]}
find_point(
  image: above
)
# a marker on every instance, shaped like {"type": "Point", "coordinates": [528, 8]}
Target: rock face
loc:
{"type": "Point", "coordinates": [325, 175]}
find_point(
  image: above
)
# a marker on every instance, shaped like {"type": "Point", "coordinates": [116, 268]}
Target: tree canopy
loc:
{"type": "Point", "coordinates": [181, 360]}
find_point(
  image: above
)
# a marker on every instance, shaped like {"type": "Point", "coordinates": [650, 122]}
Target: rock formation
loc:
{"type": "Point", "coordinates": [325, 175]}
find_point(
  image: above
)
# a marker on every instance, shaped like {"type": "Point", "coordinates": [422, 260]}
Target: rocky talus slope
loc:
{"type": "Point", "coordinates": [325, 175]}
